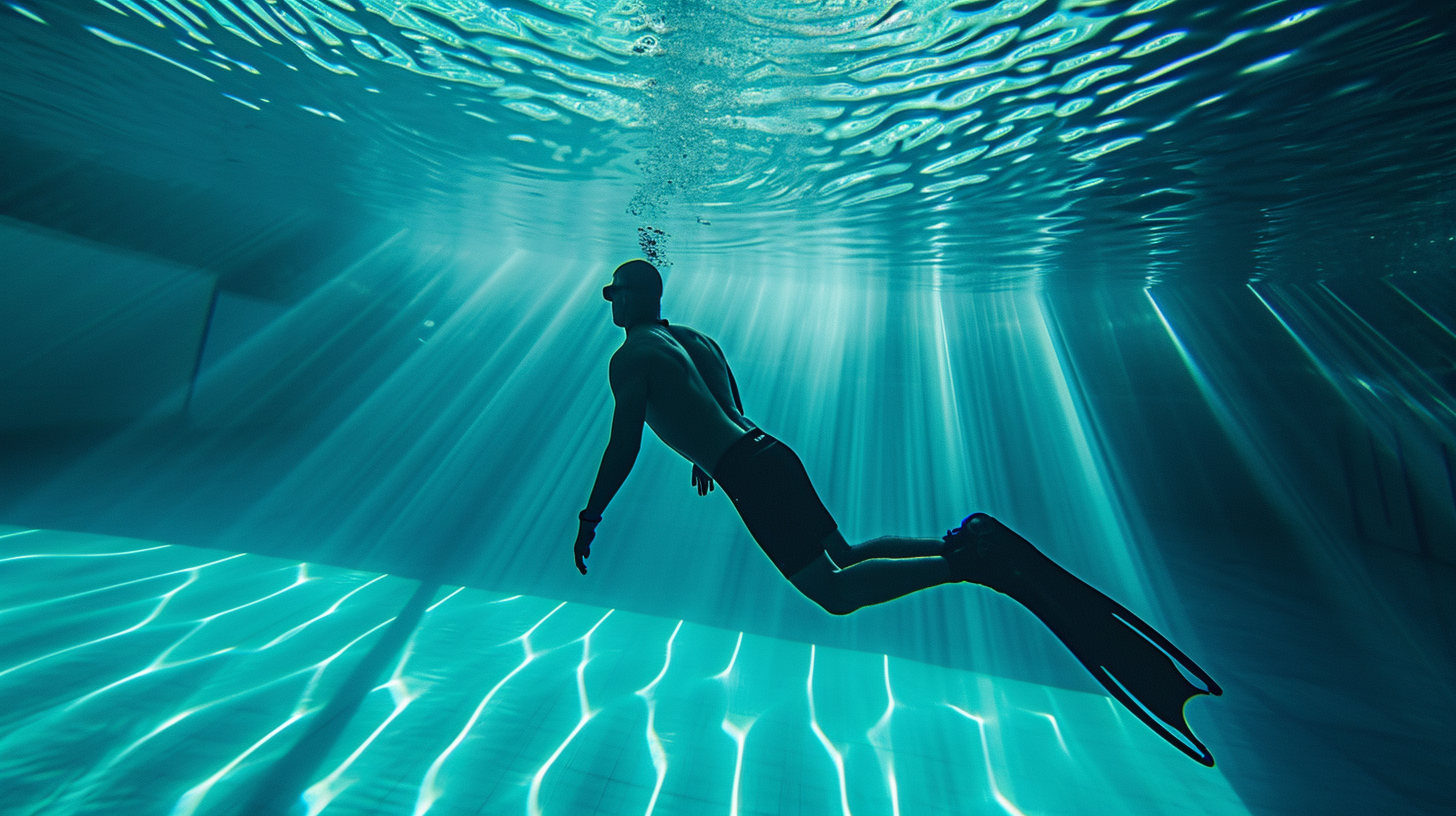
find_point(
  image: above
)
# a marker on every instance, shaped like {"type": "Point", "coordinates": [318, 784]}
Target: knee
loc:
{"type": "Point", "coordinates": [838, 549]}
{"type": "Point", "coordinates": [830, 597]}
{"type": "Point", "coordinates": [826, 586]}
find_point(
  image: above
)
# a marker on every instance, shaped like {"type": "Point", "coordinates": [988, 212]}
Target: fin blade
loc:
{"type": "Point", "coordinates": [1173, 652]}
{"type": "Point", "coordinates": [1148, 674]}
{"type": "Point", "coordinates": [1161, 725]}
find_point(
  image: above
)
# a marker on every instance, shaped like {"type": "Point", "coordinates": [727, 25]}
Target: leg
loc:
{"type": "Point", "coordinates": [842, 591]}
{"type": "Point", "coordinates": [847, 555]}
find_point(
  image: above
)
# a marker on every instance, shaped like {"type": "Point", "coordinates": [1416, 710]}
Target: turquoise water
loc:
{"type": "Point", "coordinates": [304, 381]}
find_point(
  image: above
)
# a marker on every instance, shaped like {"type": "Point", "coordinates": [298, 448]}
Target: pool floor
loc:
{"type": "Point", "coordinates": [139, 677]}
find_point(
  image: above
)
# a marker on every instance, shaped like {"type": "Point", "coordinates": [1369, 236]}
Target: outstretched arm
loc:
{"type": "Point", "coordinates": [629, 388]}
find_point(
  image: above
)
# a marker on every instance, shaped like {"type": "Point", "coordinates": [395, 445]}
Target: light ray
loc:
{"type": "Point", "coordinates": [109, 587]}
{"type": "Point", "coordinates": [723, 675]}
{"type": "Point", "coordinates": [737, 728]}
{"type": "Point", "coordinates": [430, 791]}
{"type": "Point", "coordinates": [320, 616]}
{"type": "Point", "coordinates": [654, 743]}
{"type": "Point", "coordinates": [190, 800]}
{"type": "Point", "coordinates": [829, 748]}
{"type": "Point", "coordinates": [879, 736]}
{"type": "Point", "coordinates": [151, 616]}
{"type": "Point", "coordinates": [318, 795]}
{"type": "Point", "coordinates": [1056, 729]}
{"type": "Point", "coordinates": [533, 797]}
{"type": "Point", "coordinates": [76, 555]}
{"type": "Point", "coordinates": [1001, 799]}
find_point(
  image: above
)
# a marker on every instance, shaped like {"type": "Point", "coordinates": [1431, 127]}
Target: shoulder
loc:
{"type": "Point", "coordinates": [627, 357]}
{"type": "Point", "coordinates": [631, 360]}
{"type": "Point", "coordinates": [686, 333]}
{"type": "Point", "coordinates": [679, 330]}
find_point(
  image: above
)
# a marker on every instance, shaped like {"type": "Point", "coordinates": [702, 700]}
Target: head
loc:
{"type": "Point", "coordinates": [635, 293]}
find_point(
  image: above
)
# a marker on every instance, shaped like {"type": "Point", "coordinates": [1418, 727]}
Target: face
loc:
{"type": "Point", "coordinates": [621, 298]}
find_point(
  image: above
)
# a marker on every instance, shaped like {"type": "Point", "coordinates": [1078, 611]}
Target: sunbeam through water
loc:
{"type": "Point", "coordinates": [305, 382]}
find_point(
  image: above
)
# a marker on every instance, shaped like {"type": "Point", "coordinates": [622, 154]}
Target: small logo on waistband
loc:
{"type": "Point", "coordinates": [759, 438]}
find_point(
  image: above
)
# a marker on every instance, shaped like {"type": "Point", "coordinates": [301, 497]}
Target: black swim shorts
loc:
{"type": "Point", "coordinates": [773, 495]}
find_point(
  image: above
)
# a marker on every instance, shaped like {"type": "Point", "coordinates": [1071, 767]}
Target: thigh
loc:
{"type": "Point", "coordinates": [780, 507]}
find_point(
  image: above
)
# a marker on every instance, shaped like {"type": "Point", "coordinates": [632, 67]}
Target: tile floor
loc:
{"type": "Point", "coordinates": [139, 678]}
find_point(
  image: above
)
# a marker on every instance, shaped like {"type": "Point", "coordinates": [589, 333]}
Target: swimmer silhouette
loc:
{"type": "Point", "coordinates": [677, 380]}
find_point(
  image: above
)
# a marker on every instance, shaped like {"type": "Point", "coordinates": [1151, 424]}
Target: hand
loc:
{"type": "Point", "coordinates": [702, 481]}
{"type": "Point", "coordinates": [585, 532]}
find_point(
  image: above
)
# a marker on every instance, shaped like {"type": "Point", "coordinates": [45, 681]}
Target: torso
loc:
{"type": "Point", "coordinates": [689, 400]}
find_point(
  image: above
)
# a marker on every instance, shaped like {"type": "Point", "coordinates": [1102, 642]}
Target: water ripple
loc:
{"type": "Point", "coordinates": [733, 76]}
{"type": "Point", "coordinates": [777, 113]}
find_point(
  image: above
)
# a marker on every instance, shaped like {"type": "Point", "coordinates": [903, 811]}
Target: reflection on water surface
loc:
{"type": "Point", "coordinates": [967, 137]}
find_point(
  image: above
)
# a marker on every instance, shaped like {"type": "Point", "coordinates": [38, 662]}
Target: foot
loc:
{"type": "Point", "coordinates": [985, 551]}
{"type": "Point", "coordinates": [965, 547]}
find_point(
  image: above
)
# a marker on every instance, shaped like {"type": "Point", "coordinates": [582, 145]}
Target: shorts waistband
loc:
{"type": "Point", "coordinates": [744, 447]}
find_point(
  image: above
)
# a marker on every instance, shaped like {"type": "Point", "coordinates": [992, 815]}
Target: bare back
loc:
{"type": "Point", "coordinates": [690, 403]}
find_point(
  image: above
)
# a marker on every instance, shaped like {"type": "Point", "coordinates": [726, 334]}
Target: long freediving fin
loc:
{"type": "Point", "coordinates": [1137, 665]}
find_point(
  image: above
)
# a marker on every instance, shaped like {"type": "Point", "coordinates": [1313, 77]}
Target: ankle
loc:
{"type": "Point", "coordinates": [963, 563]}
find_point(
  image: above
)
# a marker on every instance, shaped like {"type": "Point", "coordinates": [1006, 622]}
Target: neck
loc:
{"type": "Point", "coordinates": [655, 320]}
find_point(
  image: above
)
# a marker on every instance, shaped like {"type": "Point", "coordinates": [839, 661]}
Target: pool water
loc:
{"type": "Point", "coordinates": [304, 380]}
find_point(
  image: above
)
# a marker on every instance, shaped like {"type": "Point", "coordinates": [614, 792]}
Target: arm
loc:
{"type": "Point", "coordinates": [629, 389]}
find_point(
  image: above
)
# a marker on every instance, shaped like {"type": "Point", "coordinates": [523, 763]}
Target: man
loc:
{"type": "Point", "coordinates": [678, 381]}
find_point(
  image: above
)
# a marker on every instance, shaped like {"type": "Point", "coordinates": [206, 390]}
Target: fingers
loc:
{"type": "Point", "coordinates": [702, 481]}
{"type": "Point", "coordinates": [585, 532]}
